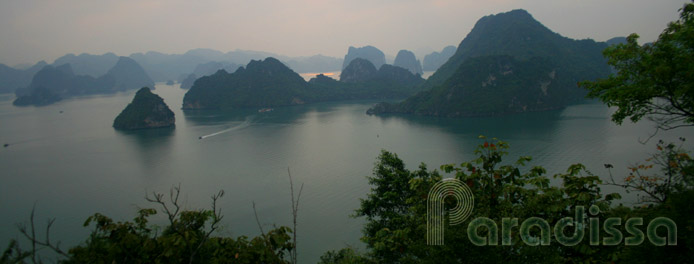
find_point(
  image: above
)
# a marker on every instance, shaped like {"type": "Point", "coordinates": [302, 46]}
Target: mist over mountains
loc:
{"type": "Point", "coordinates": [161, 67]}
{"type": "Point", "coordinates": [52, 83]}
{"type": "Point", "coordinates": [88, 64]}
{"type": "Point", "coordinates": [370, 53]}
{"type": "Point", "coordinates": [510, 57]}
{"type": "Point", "coordinates": [191, 65]}
{"type": "Point", "coordinates": [406, 60]}
{"type": "Point", "coordinates": [12, 79]}
{"type": "Point", "coordinates": [435, 59]}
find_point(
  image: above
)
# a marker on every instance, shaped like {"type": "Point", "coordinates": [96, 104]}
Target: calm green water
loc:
{"type": "Point", "coordinates": [73, 164]}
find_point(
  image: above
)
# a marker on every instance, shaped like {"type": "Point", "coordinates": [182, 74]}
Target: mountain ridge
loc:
{"type": "Point", "coordinates": [517, 41]}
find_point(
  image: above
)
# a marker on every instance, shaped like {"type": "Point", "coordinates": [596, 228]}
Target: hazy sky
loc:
{"type": "Point", "coordinates": [44, 30]}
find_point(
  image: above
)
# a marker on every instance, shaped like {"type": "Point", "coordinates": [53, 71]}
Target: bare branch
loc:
{"type": "Point", "coordinates": [657, 128]}
{"type": "Point", "coordinates": [31, 235]}
{"type": "Point", "coordinates": [216, 218]}
{"type": "Point", "coordinates": [258, 221]}
{"type": "Point", "coordinates": [158, 198]}
{"type": "Point", "coordinates": [295, 210]}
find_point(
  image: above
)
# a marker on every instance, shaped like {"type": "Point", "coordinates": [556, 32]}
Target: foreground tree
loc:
{"type": "Point", "coordinates": [396, 211]}
{"type": "Point", "coordinates": [188, 238]}
{"type": "Point", "coordinates": [670, 170]}
{"type": "Point", "coordinates": [655, 80]}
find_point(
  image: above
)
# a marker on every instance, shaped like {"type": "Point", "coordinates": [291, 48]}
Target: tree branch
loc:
{"type": "Point", "coordinates": [31, 235]}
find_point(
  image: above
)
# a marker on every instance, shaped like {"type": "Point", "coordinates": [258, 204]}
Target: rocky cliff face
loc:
{"type": "Point", "coordinates": [406, 60]}
{"type": "Point", "coordinates": [370, 53]}
{"type": "Point", "coordinates": [359, 70]}
{"type": "Point", "coordinates": [147, 110]}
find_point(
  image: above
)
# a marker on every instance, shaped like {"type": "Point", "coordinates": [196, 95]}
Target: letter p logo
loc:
{"type": "Point", "coordinates": [436, 212]}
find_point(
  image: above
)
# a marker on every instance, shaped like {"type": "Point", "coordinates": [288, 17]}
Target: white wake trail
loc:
{"type": "Point", "coordinates": [245, 124]}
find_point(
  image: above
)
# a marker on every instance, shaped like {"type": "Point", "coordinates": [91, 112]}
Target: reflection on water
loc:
{"type": "Point", "coordinates": [310, 75]}
{"type": "Point", "coordinates": [73, 164]}
{"type": "Point", "coordinates": [153, 146]}
{"type": "Point", "coordinates": [215, 117]}
{"type": "Point", "coordinates": [336, 75]}
{"type": "Point", "coordinates": [515, 125]}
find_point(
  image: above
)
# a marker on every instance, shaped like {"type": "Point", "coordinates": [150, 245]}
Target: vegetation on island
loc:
{"type": "Point", "coordinates": [508, 63]}
{"type": "Point", "coordinates": [490, 85]}
{"type": "Point", "coordinates": [259, 84]}
{"type": "Point", "coordinates": [39, 97]}
{"type": "Point", "coordinates": [147, 110]}
{"type": "Point", "coordinates": [270, 83]}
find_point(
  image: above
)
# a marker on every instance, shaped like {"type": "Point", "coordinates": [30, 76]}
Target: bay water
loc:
{"type": "Point", "coordinates": [67, 161]}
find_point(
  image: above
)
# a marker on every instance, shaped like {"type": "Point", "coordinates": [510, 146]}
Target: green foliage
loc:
{"type": "Point", "coordinates": [395, 209]}
{"type": "Point", "coordinates": [396, 215]}
{"type": "Point", "coordinates": [654, 80]}
{"type": "Point", "coordinates": [186, 239]}
{"type": "Point", "coordinates": [14, 254]}
{"type": "Point", "coordinates": [393, 225]}
{"type": "Point", "coordinates": [668, 171]}
{"type": "Point", "coordinates": [344, 256]}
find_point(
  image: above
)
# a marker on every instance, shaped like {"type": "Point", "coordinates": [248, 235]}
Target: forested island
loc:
{"type": "Point", "coordinates": [508, 63]}
{"type": "Point", "coordinates": [147, 110]}
{"type": "Point", "coordinates": [270, 83]}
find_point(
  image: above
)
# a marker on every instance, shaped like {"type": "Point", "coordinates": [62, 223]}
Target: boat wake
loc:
{"type": "Point", "coordinates": [245, 124]}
